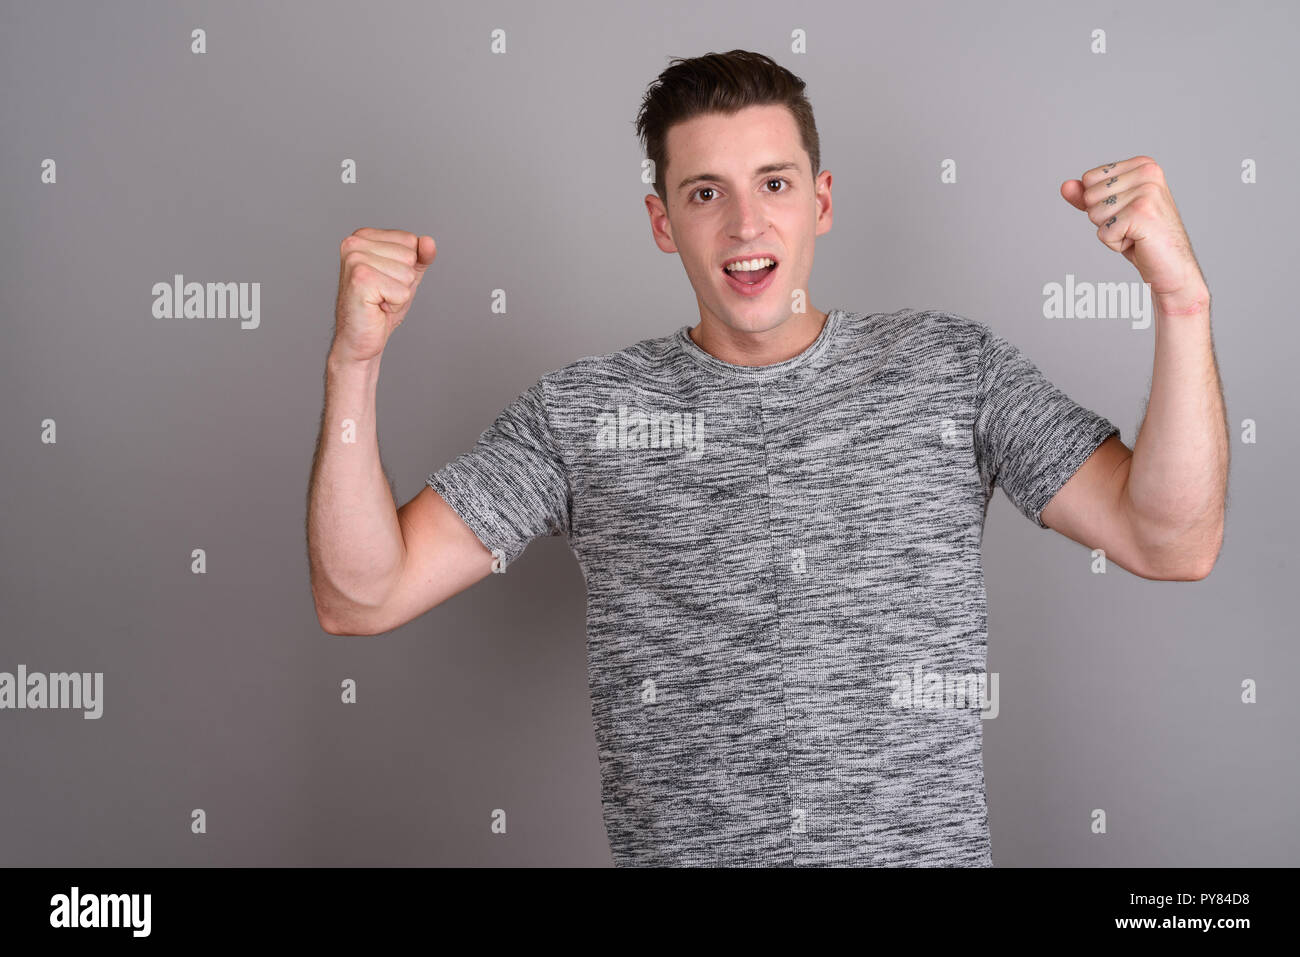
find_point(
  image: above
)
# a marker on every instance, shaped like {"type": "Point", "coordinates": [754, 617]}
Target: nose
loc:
{"type": "Point", "coordinates": [747, 219]}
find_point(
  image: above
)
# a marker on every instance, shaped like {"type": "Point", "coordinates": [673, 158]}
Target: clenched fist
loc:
{"type": "Point", "coordinates": [379, 271]}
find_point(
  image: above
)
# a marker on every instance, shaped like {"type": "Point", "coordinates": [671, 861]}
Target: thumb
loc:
{"type": "Point", "coordinates": [1072, 190]}
{"type": "Point", "coordinates": [425, 253]}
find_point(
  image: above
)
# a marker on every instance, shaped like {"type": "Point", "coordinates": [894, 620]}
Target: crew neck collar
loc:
{"type": "Point", "coordinates": [761, 373]}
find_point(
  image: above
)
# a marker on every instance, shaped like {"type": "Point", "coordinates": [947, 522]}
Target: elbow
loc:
{"type": "Point", "coordinates": [1202, 569]}
{"type": "Point", "coordinates": [324, 614]}
{"type": "Point", "coordinates": [327, 624]}
{"type": "Point", "coordinates": [1190, 573]}
{"type": "Point", "coordinates": [1209, 556]}
{"type": "Point", "coordinates": [334, 616]}
{"type": "Point", "coordinates": [1191, 563]}
{"type": "Point", "coordinates": [350, 620]}
{"type": "Point", "coordinates": [1181, 573]}
{"type": "Point", "coordinates": [337, 625]}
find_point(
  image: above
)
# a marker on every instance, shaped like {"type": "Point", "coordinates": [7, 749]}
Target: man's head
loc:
{"type": "Point", "coordinates": [737, 173]}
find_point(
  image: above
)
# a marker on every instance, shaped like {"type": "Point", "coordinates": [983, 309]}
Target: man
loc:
{"type": "Point", "coordinates": [779, 512]}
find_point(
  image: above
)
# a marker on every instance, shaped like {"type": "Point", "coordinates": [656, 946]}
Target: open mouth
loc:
{"type": "Point", "coordinates": [751, 281]}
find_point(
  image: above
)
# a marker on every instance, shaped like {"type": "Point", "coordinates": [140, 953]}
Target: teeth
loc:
{"type": "Point", "coordinates": [749, 265]}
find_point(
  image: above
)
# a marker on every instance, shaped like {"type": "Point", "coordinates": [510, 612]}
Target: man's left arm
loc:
{"type": "Point", "coordinates": [1166, 497]}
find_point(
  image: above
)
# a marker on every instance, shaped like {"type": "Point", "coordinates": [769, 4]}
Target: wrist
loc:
{"type": "Point", "coordinates": [1186, 302]}
{"type": "Point", "coordinates": [339, 362]}
{"type": "Point", "coordinates": [1182, 307]}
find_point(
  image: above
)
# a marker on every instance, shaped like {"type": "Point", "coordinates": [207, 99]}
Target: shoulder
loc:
{"type": "Point", "coordinates": [648, 362]}
{"type": "Point", "coordinates": [924, 325]}
{"type": "Point", "coordinates": [922, 340]}
{"type": "Point", "coordinates": [948, 328]}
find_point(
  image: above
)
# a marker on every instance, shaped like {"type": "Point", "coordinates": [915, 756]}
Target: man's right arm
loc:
{"type": "Point", "coordinates": [374, 567]}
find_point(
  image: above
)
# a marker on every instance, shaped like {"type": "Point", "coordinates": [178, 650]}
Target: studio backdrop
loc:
{"type": "Point", "coordinates": [156, 462]}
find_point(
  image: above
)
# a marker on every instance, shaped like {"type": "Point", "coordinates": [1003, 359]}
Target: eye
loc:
{"type": "Point", "coordinates": [710, 189]}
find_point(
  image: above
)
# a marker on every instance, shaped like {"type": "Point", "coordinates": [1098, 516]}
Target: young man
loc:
{"type": "Point", "coordinates": [778, 513]}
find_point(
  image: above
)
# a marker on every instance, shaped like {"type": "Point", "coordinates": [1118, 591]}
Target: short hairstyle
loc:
{"type": "Point", "coordinates": [720, 83]}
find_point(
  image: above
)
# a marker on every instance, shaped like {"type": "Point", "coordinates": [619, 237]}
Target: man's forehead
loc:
{"type": "Point", "coordinates": [751, 123]}
{"type": "Point", "coordinates": [748, 143]}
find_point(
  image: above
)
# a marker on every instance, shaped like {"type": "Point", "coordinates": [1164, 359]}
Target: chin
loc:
{"type": "Point", "coordinates": [757, 318]}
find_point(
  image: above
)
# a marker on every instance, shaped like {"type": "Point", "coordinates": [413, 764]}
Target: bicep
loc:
{"type": "Point", "coordinates": [1092, 508]}
{"type": "Point", "coordinates": [443, 558]}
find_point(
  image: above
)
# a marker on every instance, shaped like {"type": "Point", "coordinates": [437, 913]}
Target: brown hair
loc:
{"type": "Point", "coordinates": [720, 83]}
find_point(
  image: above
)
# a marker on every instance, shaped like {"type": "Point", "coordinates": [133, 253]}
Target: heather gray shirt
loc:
{"type": "Point", "coordinates": [773, 556]}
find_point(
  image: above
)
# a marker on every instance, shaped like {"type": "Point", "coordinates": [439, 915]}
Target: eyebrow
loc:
{"type": "Point", "coordinates": [761, 171]}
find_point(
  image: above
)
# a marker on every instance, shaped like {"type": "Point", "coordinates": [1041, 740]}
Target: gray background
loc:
{"type": "Point", "coordinates": [221, 691]}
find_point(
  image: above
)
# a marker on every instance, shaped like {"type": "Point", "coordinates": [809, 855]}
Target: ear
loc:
{"type": "Point", "coordinates": [660, 227]}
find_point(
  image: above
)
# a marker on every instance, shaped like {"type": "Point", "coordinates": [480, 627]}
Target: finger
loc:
{"type": "Point", "coordinates": [1072, 190]}
{"type": "Point", "coordinates": [389, 267]}
{"type": "Point", "coordinates": [425, 254]}
{"type": "Point", "coordinates": [1098, 173]}
{"type": "Point", "coordinates": [395, 251]}
{"type": "Point", "coordinates": [1115, 230]}
{"type": "Point", "coordinates": [1118, 182]}
{"type": "Point", "coordinates": [383, 291]}
{"type": "Point", "coordinates": [403, 237]}
{"type": "Point", "coordinates": [1111, 205]}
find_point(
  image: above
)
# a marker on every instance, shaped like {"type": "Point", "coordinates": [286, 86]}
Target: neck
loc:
{"type": "Point", "coordinates": [767, 347]}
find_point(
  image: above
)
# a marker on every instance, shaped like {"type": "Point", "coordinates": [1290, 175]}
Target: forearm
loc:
{"type": "Point", "coordinates": [354, 541]}
{"type": "Point", "coordinates": [1177, 480]}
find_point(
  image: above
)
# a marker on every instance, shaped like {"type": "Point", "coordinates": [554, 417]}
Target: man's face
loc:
{"type": "Point", "coordinates": [742, 186]}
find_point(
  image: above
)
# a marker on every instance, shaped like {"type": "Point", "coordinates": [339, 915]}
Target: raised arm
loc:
{"type": "Point", "coordinates": [372, 566]}
{"type": "Point", "coordinates": [1164, 501]}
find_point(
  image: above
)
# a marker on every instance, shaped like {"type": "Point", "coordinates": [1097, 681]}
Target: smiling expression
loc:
{"type": "Point", "coordinates": [740, 187]}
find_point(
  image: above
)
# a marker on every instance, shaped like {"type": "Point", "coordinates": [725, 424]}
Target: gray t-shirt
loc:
{"type": "Point", "coordinates": [785, 596]}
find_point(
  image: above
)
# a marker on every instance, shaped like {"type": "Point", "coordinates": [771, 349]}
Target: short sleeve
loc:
{"type": "Point", "coordinates": [1029, 436]}
{"type": "Point", "coordinates": [511, 487]}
